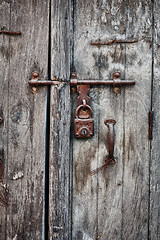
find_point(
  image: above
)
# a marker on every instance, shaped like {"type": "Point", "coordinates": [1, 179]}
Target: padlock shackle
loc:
{"type": "Point", "coordinates": [82, 106]}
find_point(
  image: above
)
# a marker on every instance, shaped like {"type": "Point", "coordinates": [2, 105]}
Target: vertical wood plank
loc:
{"type": "Point", "coordinates": [4, 80]}
{"type": "Point", "coordinates": [85, 151]}
{"type": "Point", "coordinates": [59, 164]}
{"type": "Point", "coordinates": [155, 153]}
{"type": "Point", "coordinates": [97, 199]}
{"type": "Point", "coordinates": [137, 105]}
{"type": "Point", "coordinates": [24, 120]}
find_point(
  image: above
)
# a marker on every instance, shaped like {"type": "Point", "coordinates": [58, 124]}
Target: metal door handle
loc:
{"type": "Point", "coordinates": [110, 159]}
{"type": "Point", "coordinates": [110, 124]}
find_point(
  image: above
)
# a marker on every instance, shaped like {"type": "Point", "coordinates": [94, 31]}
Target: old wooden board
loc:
{"type": "Point", "coordinates": [154, 224]}
{"type": "Point", "coordinates": [23, 110]}
{"type": "Point", "coordinates": [4, 73]}
{"type": "Point", "coordinates": [95, 197]}
{"type": "Point", "coordinates": [114, 207]}
{"type": "Point", "coordinates": [137, 106]}
{"type": "Point", "coordinates": [59, 169]}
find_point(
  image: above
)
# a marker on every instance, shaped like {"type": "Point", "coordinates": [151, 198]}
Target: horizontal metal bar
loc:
{"type": "Point", "coordinates": [116, 83]}
{"type": "Point", "coordinates": [75, 82]}
{"type": "Point", "coordinates": [10, 33]}
{"type": "Point", "coordinates": [113, 41]}
{"type": "Point", "coordinates": [43, 82]}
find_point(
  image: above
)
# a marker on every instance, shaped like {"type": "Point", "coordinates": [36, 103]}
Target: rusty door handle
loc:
{"type": "Point", "coordinates": [110, 159]}
{"type": "Point", "coordinates": [110, 124]}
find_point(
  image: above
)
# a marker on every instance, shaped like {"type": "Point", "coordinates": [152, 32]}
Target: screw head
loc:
{"type": "Point", "coordinates": [73, 75]}
{"type": "Point", "coordinates": [35, 74]}
{"type": "Point", "coordinates": [116, 75]}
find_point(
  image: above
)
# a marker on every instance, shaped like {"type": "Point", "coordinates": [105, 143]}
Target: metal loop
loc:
{"type": "Point", "coordinates": [81, 106]}
{"type": "Point", "coordinates": [84, 104]}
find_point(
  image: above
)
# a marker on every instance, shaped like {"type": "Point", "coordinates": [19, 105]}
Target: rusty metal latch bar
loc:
{"type": "Point", "coordinates": [35, 82]}
{"type": "Point", "coordinates": [9, 32]}
{"type": "Point", "coordinates": [120, 83]}
{"type": "Point", "coordinates": [120, 41]}
{"type": "Point", "coordinates": [116, 82]}
{"type": "Point", "coordinates": [74, 82]}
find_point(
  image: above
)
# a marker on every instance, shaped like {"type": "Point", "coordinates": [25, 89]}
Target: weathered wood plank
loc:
{"type": "Point", "coordinates": [59, 174]}
{"type": "Point", "coordinates": [98, 201]}
{"type": "Point", "coordinates": [137, 106]}
{"type": "Point", "coordinates": [24, 117]}
{"type": "Point", "coordinates": [4, 79]}
{"type": "Point", "coordinates": [127, 214]}
{"type": "Point", "coordinates": [155, 153]}
{"type": "Point", "coordinates": [85, 151]}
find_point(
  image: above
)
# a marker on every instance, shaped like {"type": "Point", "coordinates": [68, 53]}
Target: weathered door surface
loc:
{"type": "Point", "coordinates": [113, 205]}
{"type": "Point", "coordinates": [23, 50]}
{"type": "Point", "coordinates": [47, 189]}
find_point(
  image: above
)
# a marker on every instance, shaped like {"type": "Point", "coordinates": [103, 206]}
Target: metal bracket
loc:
{"type": "Point", "coordinates": [35, 82]}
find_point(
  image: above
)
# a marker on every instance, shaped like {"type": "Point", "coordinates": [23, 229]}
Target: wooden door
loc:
{"type": "Point", "coordinates": [122, 203]}
{"type": "Point", "coordinates": [24, 29]}
{"type": "Point", "coordinates": [114, 206]}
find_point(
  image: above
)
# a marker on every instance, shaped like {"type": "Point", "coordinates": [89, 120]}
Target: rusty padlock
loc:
{"type": "Point", "coordinates": [83, 124]}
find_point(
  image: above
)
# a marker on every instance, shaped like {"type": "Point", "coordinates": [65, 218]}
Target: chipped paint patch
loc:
{"type": "Point", "coordinates": [18, 176]}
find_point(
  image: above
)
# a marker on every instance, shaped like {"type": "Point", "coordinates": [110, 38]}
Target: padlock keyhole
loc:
{"type": "Point", "coordinates": [84, 132]}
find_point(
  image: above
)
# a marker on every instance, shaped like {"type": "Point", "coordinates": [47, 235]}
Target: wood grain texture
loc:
{"type": "Point", "coordinates": [4, 73]}
{"type": "Point", "coordinates": [97, 200]}
{"type": "Point", "coordinates": [23, 128]}
{"type": "Point", "coordinates": [155, 153]}
{"type": "Point", "coordinates": [137, 106]}
{"type": "Point", "coordinates": [59, 172]}
{"type": "Point", "coordinates": [115, 207]}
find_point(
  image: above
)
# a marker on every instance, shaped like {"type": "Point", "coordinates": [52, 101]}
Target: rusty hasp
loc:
{"type": "Point", "coordinates": [83, 88]}
{"type": "Point", "coordinates": [110, 159]}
